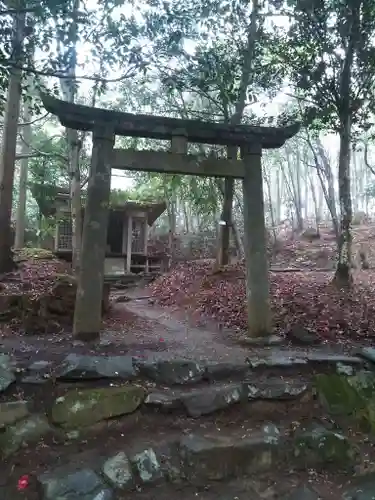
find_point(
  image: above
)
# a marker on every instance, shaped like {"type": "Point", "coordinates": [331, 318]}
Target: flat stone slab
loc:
{"type": "Point", "coordinates": [278, 358]}
{"type": "Point", "coordinates": [281, 359]}
{"type": "Point", "coordinates": [78, 367]}
{"type": "Point", "coordinates": [164, 401]}
{"type": "Point", "coordinates": [216, 458]}
{"type": "Point", "coordinates": [66, 483]}
{"type": "Point", "coordinates": [223, 370]}
{"type": "Point", "coordinates": [172, 372]}
{"type": "Point", "coordinates": [89, 406]}
{"type": "Point", "coordinates": [211, 399]}
{"type": "Point", "coordinates": [275, 388]}
{"type": "Point", "coordinates": [332, 358]}
{"type": "Point", "coordinates": [270, 340]}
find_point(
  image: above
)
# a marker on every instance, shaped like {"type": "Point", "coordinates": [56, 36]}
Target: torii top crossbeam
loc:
{"type": "Point", "coordinates": [79, 117]}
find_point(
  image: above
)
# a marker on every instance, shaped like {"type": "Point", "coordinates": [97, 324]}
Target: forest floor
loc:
{"type": "Point", "coordinates": [192, 320]}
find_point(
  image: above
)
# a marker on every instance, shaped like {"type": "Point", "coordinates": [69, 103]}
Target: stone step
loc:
{"type": "Point", "coordinates": [171, 372]}
{"type": "Point", "coordinates": [197, 402]}
{"type": "Point", "coordinates": [201, 460]}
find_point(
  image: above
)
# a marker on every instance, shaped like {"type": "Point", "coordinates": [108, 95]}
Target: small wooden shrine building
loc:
{"type": "Point", "coordinates": [127, 232]}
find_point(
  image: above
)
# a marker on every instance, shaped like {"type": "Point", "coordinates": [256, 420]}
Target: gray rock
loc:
{"type": "Point", "coordinates": [322, 447]}
{"type": "Point", "coordinates": [363, 490]}
{"type": "Point", "coordinates": [270, 340]}
{"type": "Point", "coordinates": [147, 466]}
{"type": "Point", "coordinates": [211, 399]}
{"type": "Point", "coordinates": [275, 388]}
{"type": "Point", "coordinates": [222, 370]}
{"type": "Point", "coordinates": [38, 366]}
{"type": "Point", "coordinates": [164, 401]}
{"type": "Point", "coordinates": [12, 411]}
{"type": "Point", "coordinates": [302, 493]}
{"type": "Point", "coordinates": [86, 407]}
{"type": "Point", "coordinates": [23, 433]}
{"type": "Point", "coordinates": [343, 369]}
{"type": "Point", "coordinates": [332, 358]}
{"type": "Point", "coordinates": [7, 372]}
{"type": "Point", "coordinates": [37, 373]}
{"type": "Point", "coordinates": [217, 458]}
{"type": "Point", "coordinates": [171, 372]}
{"type": "Point", "coordinates": [271, 433]}
{"type": "Point", "coordinates": [117, 470]}
{"type": "Point", "coordinates": [86, 367]}
{"type": "Point", "coordinates": [368, 353]}
{"type": "Point", "coordinates": [276, 359]}
{"type": "Point", "coordinates": [66, 483]}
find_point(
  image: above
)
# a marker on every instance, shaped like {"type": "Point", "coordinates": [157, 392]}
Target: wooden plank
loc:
{"type": "Point", "coordinates": [175, 163]}
{"type": "Point", "coordinates": [79, 117]}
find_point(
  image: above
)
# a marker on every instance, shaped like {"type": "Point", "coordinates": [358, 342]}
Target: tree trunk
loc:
{"type": "Point", "coordinates": [8, 153]}
{"type": "Point", "coordinates": [315, 200]}
{"type": "Point", "coordinates": [68, 88]}
{"type": "Point", "coordinates": [294, 185]}
{"type": "Point", "coordinates": [224, 238]}
{"type": "Point", "coordinates": [226, 218]}
{"type": "Point", "coordinates": [21, 206]}
{"type": "Point", "coordinates": [270, 204]}
{"type": "Point", "coordinates": [278, 197]}
{"type": "Point", "coordinates": [343, 275]}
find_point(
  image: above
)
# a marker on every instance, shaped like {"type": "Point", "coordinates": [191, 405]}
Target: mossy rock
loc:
{"type": "Point", "coordinates": [349, 396]}
{"type": "Point", "coordinates": [24, 432]}
{"type": "Point", "coordinates": [89, 406]}
{"type": "Point", "coordinates": [321, 447]}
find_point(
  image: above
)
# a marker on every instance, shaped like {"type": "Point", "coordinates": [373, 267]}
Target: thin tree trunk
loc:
{"type": "Point", "coordinates": [224, 239]}
{"type": "Point", "coordinates": [343, 271]}
{"type": "Point", "coordinates": [270, 204]}
{"type": "Point", "coordinates": [343, 276]}
{"type": "Point", "coordinates": [8, 153]}
{"type": "Point", "coordinates": [315, 200]}
{"type": "Point", "coordinates": [68, 88]}
{"type": "Point", "coordinates": [278, 197]}
{"type": "Point", "coordinates": [21, 206]}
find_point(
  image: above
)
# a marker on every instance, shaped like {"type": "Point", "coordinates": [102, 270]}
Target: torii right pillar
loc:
{"type": "Point", "coordinates": [257, 272]}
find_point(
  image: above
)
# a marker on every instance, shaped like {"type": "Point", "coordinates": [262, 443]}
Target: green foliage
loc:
{"type": "Point", "coordinates": [325, 42]}
{"type": "Point", "coordinates": [104, 32]}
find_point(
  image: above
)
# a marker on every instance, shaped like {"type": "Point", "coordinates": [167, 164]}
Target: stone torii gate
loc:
{"type": "Point", "coordinates": [105, 125]}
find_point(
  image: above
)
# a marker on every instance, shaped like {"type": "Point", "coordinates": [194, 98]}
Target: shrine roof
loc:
{"type": "Point", "coordinates": [79, 117]}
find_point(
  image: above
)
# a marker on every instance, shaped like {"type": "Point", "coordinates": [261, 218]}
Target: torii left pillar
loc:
{"type": "Point", "coordinates": [88, 306]}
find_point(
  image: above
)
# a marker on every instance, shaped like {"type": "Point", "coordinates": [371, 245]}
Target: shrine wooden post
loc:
{"type": "Point", "coordinates": [105, 124]}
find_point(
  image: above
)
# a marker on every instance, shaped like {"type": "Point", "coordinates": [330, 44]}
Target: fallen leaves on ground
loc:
{"type": "Point", "coordinates": [33, 276]}
{"type": "Point", "coordinates": [306, 298]}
